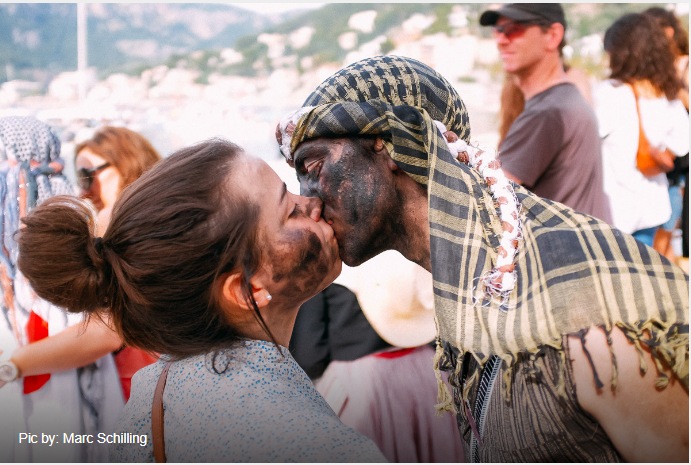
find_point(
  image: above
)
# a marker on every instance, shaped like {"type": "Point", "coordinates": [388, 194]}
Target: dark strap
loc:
{"type": "Point", "coordinates": [157, 416]}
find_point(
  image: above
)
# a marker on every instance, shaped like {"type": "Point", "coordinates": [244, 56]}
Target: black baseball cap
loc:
{"type": "Point", "coordinates": [526, 13]}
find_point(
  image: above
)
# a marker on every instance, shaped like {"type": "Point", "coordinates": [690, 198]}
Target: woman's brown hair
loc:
{"type": "Point", "coordinates": [512, 105]}
{"type": "Point", "coordinates": [128, 151]}
{"type": "Point", "coordinates": [665, 19]}
{"type": "Point", "coordinates": [639, 51]}
{"type": "Point", "coordinates": [175, 231]}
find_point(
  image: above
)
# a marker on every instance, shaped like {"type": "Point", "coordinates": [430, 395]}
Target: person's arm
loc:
{"type": "Point", "coordinates": [513, 178]}
{"type": "Point", "coordinates": [75, 347]}
{"type": "Point", "coordinates": [581, 80]}
{"type": "Point", "coordinates": [644, 423]}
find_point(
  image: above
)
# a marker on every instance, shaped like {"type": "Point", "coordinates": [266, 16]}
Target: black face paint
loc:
{"type": "Point", "coordinates": [360, 197]}
{"type": "Point", "coordinates": [298, 261]}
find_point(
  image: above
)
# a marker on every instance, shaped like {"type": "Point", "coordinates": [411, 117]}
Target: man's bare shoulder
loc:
{"type": "Point", "coordinates": [645, 423]}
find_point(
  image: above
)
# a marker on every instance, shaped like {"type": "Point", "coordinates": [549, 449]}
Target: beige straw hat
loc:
{"type": "Point", "coordinates": [396, 297]}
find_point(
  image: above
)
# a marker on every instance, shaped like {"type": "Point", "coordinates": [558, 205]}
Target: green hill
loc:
{"type": "Point", "coordinates": [43, 36]}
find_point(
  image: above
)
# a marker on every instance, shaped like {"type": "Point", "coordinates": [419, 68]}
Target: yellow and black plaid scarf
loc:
{"type": "Point", "coordinates": [573, 271]}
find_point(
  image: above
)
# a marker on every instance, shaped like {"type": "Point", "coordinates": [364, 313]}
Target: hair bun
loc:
{"type": "Point", "coordinates": [60, 257]}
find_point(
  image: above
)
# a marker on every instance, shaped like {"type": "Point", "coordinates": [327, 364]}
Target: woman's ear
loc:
{"type": "Point", "coordinates": [232, 290]}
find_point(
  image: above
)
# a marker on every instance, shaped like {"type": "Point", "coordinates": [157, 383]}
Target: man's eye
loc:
{"type": "Point", "coordinates": [312, 167]}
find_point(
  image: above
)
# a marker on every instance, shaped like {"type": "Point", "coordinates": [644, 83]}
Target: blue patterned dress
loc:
{"type": "Point", "coordinates": [263, 408]}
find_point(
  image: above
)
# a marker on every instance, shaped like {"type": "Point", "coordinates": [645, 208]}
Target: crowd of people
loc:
{"type": "Point", "coordinates": [422, 300]}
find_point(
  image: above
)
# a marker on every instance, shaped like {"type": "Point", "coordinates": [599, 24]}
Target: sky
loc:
{"type": "Point", "coordinates": [261, 7]}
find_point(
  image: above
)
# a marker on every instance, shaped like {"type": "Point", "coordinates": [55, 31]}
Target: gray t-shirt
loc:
{"type": "Point", "coordinates": [553, 147]}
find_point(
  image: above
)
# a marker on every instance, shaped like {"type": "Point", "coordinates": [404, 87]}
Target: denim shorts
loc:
{"type": "Point", "coordinates": [676, 199]}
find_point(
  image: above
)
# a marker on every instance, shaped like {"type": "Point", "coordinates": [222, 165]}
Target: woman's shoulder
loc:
{"type": "Point", "coordinates": [228, 413]}
{"type": "Point", "coordinates": [258, 394]}
{"type": "Point", "coordinates": [611, 89]}
{"type": "Point", "coordinates": [302, 431]}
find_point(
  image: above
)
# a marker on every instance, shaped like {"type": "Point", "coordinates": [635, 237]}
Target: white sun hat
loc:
{"type": "Point", "coordinates": [396, 297]}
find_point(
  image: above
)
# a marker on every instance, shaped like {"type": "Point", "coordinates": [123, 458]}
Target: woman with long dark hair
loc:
{"type": "Point", "coordinates": [207, 259]}
{"type": "Point", "coordinates": [639, 100]}
{"type": "Point", "coordinates": [677, 178]}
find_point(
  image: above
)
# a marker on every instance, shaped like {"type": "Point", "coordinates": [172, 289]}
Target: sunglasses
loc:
{"type": "Point", "coordinates": [511, 30]}
{"type": "Point", "coordinates": [85, 176]}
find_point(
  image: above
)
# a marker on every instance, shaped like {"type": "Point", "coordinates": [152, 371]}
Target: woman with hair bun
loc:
{"type": "Point", "coordinates": [207, 260]}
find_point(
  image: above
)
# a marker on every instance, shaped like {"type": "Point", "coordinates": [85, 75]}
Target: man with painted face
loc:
{"type": "Point", "coordinates": [551, 323]}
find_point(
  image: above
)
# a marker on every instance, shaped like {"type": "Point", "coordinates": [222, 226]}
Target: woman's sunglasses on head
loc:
{"type": "Point", "coordinates": [85, 176]}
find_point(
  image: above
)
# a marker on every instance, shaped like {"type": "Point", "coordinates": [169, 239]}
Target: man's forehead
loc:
{"type": "Point", "coordinates": [320, 146]}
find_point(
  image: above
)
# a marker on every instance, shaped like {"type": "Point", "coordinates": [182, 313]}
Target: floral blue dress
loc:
{"type": "Point", "coordinates": [261, 408]}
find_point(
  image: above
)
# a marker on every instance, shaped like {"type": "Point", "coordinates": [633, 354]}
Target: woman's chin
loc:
{"type": "Point", "coordinates": [333, 273]}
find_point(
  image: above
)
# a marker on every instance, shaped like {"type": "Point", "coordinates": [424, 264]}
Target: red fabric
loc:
{"type": "Point", "coordinates": [128, 361]}
{"type": "Point", "coordinates": [36, 329]}
{"type": "Point", "coordinates": [395, 353]}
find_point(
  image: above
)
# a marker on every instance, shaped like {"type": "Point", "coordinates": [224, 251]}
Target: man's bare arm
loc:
{"type": "Point", "coordinates": [644, 423]}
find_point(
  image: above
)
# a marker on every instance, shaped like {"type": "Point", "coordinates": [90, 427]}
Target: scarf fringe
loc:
{"type": "Point", "coordinates": [445, 401]}
{"type": "Point", "coordinates": [668, 342]}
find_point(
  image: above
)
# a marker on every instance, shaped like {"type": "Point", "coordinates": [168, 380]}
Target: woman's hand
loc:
{"type": "Point", "coordinates": [663, 157]}
{"type": "Point", "coordinates": [2, 383]}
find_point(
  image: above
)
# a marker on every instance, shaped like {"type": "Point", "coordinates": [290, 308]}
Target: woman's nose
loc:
{"type": "Point", "coordinates": [313, 208]}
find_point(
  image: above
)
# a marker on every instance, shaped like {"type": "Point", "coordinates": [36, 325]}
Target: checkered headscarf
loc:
{"type": "Point", "coordinates": [30, 172]}
{"type": "Point", "coordinates": [572, 270]}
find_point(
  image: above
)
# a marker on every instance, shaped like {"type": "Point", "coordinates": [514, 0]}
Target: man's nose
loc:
{"type": "Point", "coordinates": [500, 38]}
{"type": "Point", "coordinates": [307, 188]}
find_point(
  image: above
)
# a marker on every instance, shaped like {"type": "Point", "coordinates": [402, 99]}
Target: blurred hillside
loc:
{"type": "Point", "coordinates": [181, 73]}
{"type": "Point", "coordinates": [343, 32]}
{"type": "Point", "coordinates": [40, 38]}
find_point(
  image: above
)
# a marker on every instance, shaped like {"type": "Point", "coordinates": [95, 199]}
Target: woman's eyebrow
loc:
{"type": "Point", "coordinates": [284, 191]}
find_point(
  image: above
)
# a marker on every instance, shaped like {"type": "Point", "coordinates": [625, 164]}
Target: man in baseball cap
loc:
{"type": "Point", "coordinates": [534, 13]}
{"type": "Point", "coordinates": [552, 147]}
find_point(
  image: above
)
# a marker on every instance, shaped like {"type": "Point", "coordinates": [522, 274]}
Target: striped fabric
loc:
{"type": "Point", "coordinates": [573, 271]}
{"type": "Point", "coordinates": [537, 425]}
